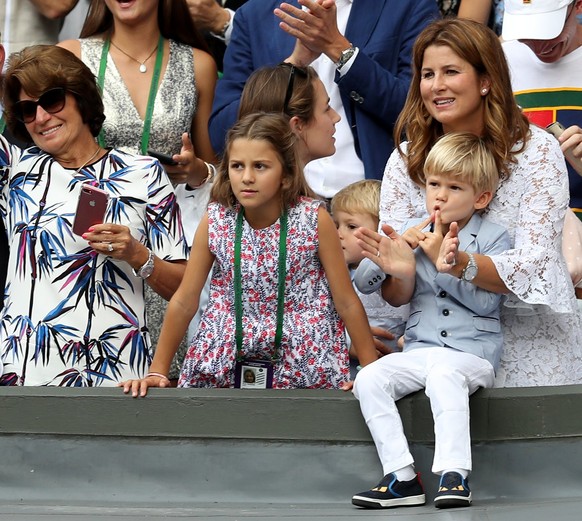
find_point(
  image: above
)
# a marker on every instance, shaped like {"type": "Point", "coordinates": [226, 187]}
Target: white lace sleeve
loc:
{"type": "Point", "coordinates": [531, 204]}
{"type": "Point", "coordinates": [400, 198]}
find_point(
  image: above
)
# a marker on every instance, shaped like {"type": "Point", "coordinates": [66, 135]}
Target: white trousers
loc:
{"type": "Point", "coordinates": [448, 376]}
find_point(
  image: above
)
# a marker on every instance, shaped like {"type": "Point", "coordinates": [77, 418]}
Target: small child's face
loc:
{"type": "Point", "coordinates": [346, 224]}
{"type": "Point", "coordinates": [256, 175]}
{"type": "Point", "coordinates": [456, 199]}
{"type": "Point", "coordinates": [249, 376]}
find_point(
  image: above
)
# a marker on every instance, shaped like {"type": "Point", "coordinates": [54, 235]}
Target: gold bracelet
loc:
{"type": "Point", "coordinates": [159, 375]}
{"type": "Point", "coordinates": [211, 172]}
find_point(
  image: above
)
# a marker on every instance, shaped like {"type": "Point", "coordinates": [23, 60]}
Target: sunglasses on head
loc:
{"type": "Point", "coordinates": [292, 71]}
{"type": "Point", "coordinates": [52, 101]}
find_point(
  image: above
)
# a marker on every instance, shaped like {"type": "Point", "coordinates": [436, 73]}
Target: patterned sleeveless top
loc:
{"type": "Point", "coordinates": [174, 107]}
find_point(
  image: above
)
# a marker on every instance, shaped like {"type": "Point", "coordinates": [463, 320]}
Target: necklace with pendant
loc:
{"type": "Point", "coordinates": [142, 65]}
{"type": "Point", "coordinates": [93, 156]}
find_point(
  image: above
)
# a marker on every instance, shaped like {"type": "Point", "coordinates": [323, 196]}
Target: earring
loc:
{"type": "Point", "coordinates": [483, 91]}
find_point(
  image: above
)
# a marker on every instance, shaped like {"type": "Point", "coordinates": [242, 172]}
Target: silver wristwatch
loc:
{"type": "Point", "coordinates": [146, 270]}
{"type": "Point", "coordinates": [345, 57]}
{"type": "Point", "coordinates": [471, 269]}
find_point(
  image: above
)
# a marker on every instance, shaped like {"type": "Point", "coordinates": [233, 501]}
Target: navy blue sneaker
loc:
{"type": "Point", "coordinates": [453, 491]}
{"type": "Point", "coordinates": [392, 493]}
{"type": "Point", "coordinates": [368, 277]}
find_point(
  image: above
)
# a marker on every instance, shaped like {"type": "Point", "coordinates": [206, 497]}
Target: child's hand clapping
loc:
{"type": "Point", "coordinates": [390, 251]}
{"type": "Point", "coordinates": [431, 243]}
{"type": "Point", "coordinates": [449, 250]}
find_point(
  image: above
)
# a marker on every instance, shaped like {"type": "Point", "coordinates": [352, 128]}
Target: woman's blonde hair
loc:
{"type": "Point", "coordinates": [275, 130]}
{"type": "Point", "coordinates": [504, 123]}
{"type": "Point", "coordinates": [465, 156]}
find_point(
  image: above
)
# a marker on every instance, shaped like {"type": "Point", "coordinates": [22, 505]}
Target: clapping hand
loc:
{"type": "Point", "coordinates": [433, 238]}
{"type": "Point", "coordinates": [571, 144]}
{"type": "Point", "coordinates": [449, 250]}
{"type": "Point", "coordinates": [415, 234]}
{"type": "Point", "coordinates": [208, 15]}
{"type": "Point", "coordinates": [315, 27]}
{"type": "Point", "coordinates": [390, 251]}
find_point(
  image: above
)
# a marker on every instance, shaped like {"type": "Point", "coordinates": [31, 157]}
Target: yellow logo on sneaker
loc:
{"type": "Point", "coordinates": [460, 488]}
{"type": "Point", "coordinates": [380, 489]}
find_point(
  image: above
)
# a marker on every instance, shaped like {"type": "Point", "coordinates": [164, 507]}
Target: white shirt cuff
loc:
{"type": "Point", "coordinates": [346, 67]}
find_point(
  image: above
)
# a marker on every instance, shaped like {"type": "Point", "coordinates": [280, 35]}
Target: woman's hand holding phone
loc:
{"type": "Point", "coordinates": [91, 208]}
{"type": "Point", "coordinates": [113, 240]}
{"type": "Point", "coordinates": [116, 241]}
{"type": "Point", "coordinates": [188, 169]}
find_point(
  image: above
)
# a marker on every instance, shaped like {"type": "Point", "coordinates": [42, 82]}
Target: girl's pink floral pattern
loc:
{"type": "Point", "coordinates": [313, 351]}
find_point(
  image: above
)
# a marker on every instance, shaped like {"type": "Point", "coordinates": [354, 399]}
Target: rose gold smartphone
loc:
{"type": "Point", "coordinates": [90, 208]}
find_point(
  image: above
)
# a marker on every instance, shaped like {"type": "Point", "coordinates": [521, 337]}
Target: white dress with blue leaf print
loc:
{"type": "Point", "coordinates": [73, 317]}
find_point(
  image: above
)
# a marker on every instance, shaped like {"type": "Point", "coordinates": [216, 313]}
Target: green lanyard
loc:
{"type": "Point", "coordinates": [280, 285]}
{"type": "Point", "coordinates": [147, 124]}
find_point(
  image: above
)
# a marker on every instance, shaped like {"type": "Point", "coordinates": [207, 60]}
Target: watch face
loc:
{"type": "Point", "coordinates": [470, 273]}
{"type": "Point", "coordinates": [146, 271]}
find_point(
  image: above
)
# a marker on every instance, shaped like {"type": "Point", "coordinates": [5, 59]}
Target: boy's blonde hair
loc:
{"type": "Point", "coordinates": [359, 197]}
{"type": "Point", "coordinates": [465, 156]}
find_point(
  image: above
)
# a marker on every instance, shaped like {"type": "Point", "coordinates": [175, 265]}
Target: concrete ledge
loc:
{"type": "Point", "coordinates": [296, 415]}
{"type": "Point", "coordinates": [188, 447]}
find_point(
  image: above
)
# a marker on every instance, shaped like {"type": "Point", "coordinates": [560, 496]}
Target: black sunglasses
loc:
{"type": "Point", "coordinates": [292, 71]}
{"type": "Point", "coordinates": [52, 101]}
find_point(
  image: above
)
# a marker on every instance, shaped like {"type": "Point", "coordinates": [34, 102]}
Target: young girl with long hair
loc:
{"type": "Point", "coordinates": [280, 291]}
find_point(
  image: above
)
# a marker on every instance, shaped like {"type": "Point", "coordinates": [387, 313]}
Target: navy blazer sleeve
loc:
{"type": "Point", "coordinates": [385, 33]}
{"type": "Point", "coordinates": [240, 60]}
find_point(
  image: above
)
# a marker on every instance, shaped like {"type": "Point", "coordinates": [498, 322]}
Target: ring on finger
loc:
{"type": "Point", "coordinates": [109, 247]}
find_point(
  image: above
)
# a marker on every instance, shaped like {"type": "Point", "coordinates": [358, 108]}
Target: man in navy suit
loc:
{"type": "Point", "coordinates": [362, 52]}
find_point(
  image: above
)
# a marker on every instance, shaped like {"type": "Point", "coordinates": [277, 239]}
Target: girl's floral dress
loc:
{"type": "Point", "coordinates": [313, 351]}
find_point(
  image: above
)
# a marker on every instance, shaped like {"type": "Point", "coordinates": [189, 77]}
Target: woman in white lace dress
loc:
{"type": "Point", "coordinates": [461, 83]}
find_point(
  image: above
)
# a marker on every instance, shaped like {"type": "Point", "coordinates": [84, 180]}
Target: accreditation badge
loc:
{"type": "Point", "coordinates": [253, 374]}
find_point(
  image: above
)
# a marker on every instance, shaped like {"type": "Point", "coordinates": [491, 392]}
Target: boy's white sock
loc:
{"type": "Point", "coordinates": [405, 474]}
{"type": "Point", "coordinates": [462, 472]}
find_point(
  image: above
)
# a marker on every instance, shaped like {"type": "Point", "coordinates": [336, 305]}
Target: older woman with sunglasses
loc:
{"type": "Point", "coordinates": [74, 306]}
